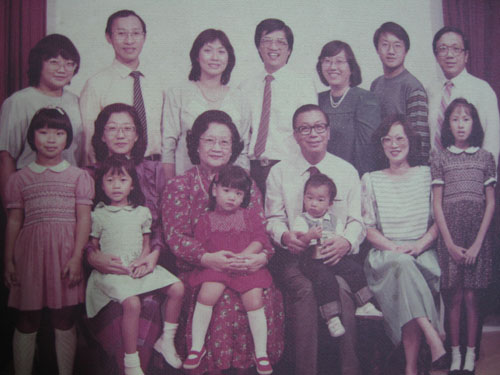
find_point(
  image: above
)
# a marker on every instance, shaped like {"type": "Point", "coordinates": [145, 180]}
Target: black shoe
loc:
{"type": "Point", "coordinates": [440, 363]}
{"type": "Point", "coordinates": [455, 372]}
{"type": "Point", "coordinates": [468, 372]}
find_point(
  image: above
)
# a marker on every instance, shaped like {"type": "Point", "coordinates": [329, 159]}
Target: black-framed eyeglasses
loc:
{"type": "Point", "coordinates": [443, 50]}
{"type": "Point", "coordinates": [306, 130]}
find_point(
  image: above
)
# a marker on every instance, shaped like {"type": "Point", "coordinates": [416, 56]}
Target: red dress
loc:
{"type": "Point", "coordinates": [219, 230]}
{"type": "Point", "coordinates": [229, 342]}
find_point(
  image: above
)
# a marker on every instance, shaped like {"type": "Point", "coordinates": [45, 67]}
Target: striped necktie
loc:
{"type": "Point", "coordinates": [260, 143]}
{"type": "Point", "coordinates": [445, 101]}
{"type": "Point", "coordinates": [139, 103]}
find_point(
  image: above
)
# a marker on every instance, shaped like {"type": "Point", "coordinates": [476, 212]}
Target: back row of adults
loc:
{"type": "Point", "coordinates": [262, 109]}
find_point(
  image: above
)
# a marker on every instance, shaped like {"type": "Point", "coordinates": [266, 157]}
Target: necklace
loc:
{"type": "Point", "coordinates": [200, 180]}
{"type": "Point", "coordinates": [218, 98]}
{"type": "Point", "coordinates": [332, 102]}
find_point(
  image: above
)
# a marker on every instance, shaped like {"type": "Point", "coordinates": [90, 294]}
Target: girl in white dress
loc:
{"type": "Point", "coordinates": [121, 226]}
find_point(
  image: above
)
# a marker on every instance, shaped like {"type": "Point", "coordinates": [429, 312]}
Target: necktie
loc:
{"type": "Point", "coordinates": [313, 170]}
{"type": "Point", "coordinates": [260, 143]}
{"type": "Point", "coordinates": [445, 100]}
{"type": "Point", "coordinates": [139, 103]}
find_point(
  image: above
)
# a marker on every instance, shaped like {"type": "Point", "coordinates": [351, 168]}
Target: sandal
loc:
{"type": "Point", "coordinates": [263, 365]}
{"type": "Point", "coordinates": [195, 360]}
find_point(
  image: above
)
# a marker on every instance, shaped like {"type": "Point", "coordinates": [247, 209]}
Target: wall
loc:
{"type": "Point", "coordinates": [173, 25]}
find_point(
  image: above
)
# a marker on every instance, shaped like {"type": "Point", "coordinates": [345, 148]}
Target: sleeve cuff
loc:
{"type": "Point", "coordinates": [437, 181]}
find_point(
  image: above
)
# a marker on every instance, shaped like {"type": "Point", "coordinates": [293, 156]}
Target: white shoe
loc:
{"type": "Point", "coordinates": [168, 352]}
{"type": "Point", "coordinates": [368, 310]}
{"type": "Point", "coordinates": [335, 327]}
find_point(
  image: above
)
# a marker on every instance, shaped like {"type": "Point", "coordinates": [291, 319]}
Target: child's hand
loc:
{"type": "Point", "coordinates": [143, 265]}
{"type": "Point", "coordinates": [471, 254]}
{"type": "Point", "coordinates": [316, 232]}
{"type": "Point", "coordinates": [139, 271]}
{"type": "Point", "coordinates": [73, 271]}
{"type": "Point", "coordinates": [10, 275]}
{"type": "Point", "coordinates": [457, 253]}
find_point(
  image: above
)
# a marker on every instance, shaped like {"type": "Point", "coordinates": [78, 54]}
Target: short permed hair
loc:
{"type": "Point", "coordinates": [320, 179]}
{"type": "Point", "coordinates": [200, 126]}
{"type": "Point", "coordinates": [118, 165]}
{"type": "Point", "coordinates": [415, 144]}
{"type": "Point", "coordinates": [231, 176]}
{"type": "Point", "coordinates": [333, 48]}
{"type": "Point", "coordinates": [208, 36]}
{"type": "Point", "coordinates": [123, 14]}
{"type": "Point", "coordinates": [395, 29]}
{"type": "Point", "coordinates": [53, 118]}
{"type": "Point", "coordinates": [101, 149]}
{"type": "Point", "coordinates": [51, 46]}
{"type": "Point", "coordinates": [476, 136]}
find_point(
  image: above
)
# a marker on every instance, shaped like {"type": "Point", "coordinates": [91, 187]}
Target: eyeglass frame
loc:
{"type": "Point", "coordinates": [443, 50]}
{"type": "Point", "coordinates": [308, 129]}
{"type": "Point", "coordinates": [211, 142]}
{"type": "Point", "coordinates": [68, 65]}
{"type": "Point", "coordinates": [390, 140]}
{"type": "Point", "coordinates": [280, 42]}
{"type": "Point", "coordinates": [127, 130]}
{"type": "Point", "coordinates": [123, 35]}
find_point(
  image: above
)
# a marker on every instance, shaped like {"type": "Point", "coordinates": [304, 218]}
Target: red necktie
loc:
{"type": "Point", "coordinates": [260, 143]}
{"type": "Point", "coordinates": [445, 100]}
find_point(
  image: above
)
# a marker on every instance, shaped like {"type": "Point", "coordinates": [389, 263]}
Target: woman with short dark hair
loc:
{"type": "Point", "coordinates": [354, 113]}
{"type": "Point", "coordinates": [213, 143]}
{"type": "Point", "coordinates": [212, 61]}
{"type": "Point", "coordinates": [52, 63]}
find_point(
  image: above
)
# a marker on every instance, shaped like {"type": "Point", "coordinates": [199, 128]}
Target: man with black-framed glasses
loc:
{"type": "Point", "coordinates": [451, 48]}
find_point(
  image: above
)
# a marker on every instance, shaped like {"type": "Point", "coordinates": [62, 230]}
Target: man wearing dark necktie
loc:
{"type": "Point", "coordinates": [127, 81]}
{"type": "Point", "coordinates": [284, 196]}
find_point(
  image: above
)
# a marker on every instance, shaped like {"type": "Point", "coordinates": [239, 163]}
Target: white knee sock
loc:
{"type": "Point", "coordinates": [132, 364]}
{"type": "Point", "coordinates": [65, 350]}
{"type": "Point", "coordinates": [470, 358]}
{"type": "Point", "coordinates": [166, 346]}
{"type": "Point", "coordinates": [258, 327]}
{"type": "Point", "coordinates": [201, 320]}
{"type": "Point", "coordinates": [24, 351]}
{"type": "Point", "coordinates": [456, 358]}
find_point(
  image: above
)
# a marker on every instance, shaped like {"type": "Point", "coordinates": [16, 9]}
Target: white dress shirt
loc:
{"type": "Point", "coordinates": [183, 105]}
{"type": "Point", "coordinates": [115, 85]}
{"type": "Point", "coordinates": [289, 91]}
{"type": "Point", "coordinates": [481, 95]}
{"type": "Point", "coordinates": [285, 191]}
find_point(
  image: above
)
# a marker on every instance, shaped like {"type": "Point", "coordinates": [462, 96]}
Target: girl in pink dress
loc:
{"type": "Point", "coordinates": [229, 226]}
{"type": "Point", "coordinates": [48, 204]}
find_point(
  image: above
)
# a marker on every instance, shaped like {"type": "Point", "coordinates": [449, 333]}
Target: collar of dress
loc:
{"type": "Point", "coordinates": [468, 150]}
{"type": "Point", "coordinates": [37, 168]}
{"type": "Point", "coordinates": [325, 217]}
{"type": "Point", "coordinates": [114, 208]}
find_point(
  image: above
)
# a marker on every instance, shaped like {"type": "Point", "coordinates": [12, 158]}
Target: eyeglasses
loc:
{"type": "Point", "coordinates": [122, 35]}
{"type": "Point", "coordinates": [113, 130]}
{"type": "Point", "coordinates": [306, 130]}
{"type": "Point", "coordinates": [388, 141]}
{"type": "Point", "coordinates": [224, 144]}
{"type": "Point", "coordinates": [56, 64]}
{"type": "Point", "coordinates": [443, 50]}
{"type": "Point", "coordinates": [329, 61]}
{"type": "Point", "coordinates": [397, 47]}
{"type": "Point", "coordinates": [268, 42]}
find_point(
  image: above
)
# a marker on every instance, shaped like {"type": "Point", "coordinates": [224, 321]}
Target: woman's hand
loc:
{"type": "Point", "coordinates": [334, 249]}
{"type": "Point", "coordinates": [10, 275]}
{"type": "Point", "coordinates": [73, 271]}
{"type": "Point", "coordinates": [471, 254]}
{"type": "Point", "coordinates": [412, 249]}
{"type": "Point", "coordinates": [144, 265]}
{"type": "Point", "coordinates": [107, 263]}
{"type": "Point", "coordinates": [222, 261]}
{"type": "Point", "coordinates": [251, 263]}
{"type": "Point", "coordinates": [457, 253]}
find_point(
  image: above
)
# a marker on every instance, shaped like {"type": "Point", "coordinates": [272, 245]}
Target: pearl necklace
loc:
{"type": "Point", "coordinates": [335, 105]}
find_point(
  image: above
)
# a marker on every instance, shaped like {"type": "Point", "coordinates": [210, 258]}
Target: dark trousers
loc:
{"type": "Point", "coordinates": [326, 286]}
{"type": "Point", "coordinates": [259, 173]}
{"type": "Point", "coordinates": [302, 316]}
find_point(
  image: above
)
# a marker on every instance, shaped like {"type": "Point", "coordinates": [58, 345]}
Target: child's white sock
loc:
{"type": "Point", "coordinates": [24, 351]}
{"type": "Point", "coordinates": [258, 327]}
{"type": "Point", "coordinates": [65, 350]}
{"type": "Point", "coordinates": [166, 346]}
{"type": "Point", "coordinates": [470, 358]}
{"type": "Point", "coordinates": [132, 364]}
{"type": "Point", "coordinates": [201, 320]}
{"type": "Point", "coordinates": [456, 358]}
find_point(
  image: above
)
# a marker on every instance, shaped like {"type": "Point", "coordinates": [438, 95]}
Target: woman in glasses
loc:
{"type": "Point", "coordinates": [212, 61]}
{"type": "Point", "coordinates": [354, 113]}
{"type": "Point", "coordinates": [52, 63]}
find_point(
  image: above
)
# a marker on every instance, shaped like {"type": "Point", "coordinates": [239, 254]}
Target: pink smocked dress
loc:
{"type": "Point", "coordinates": [45, 244]}
{"type": "Point", "coordinates": [219, 230]}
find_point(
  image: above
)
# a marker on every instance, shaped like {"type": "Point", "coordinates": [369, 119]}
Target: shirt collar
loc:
{"type": "Point", "coordinates": [303, 165]}
{"type": "Point", "coordinates": [458, 79]}
{"type": "Point", "coordinates": [114, 208]}
{"type": "Point", "coordinates": [325, 217]}
{"type": "Point", "coordinates": [456, 150]}
{"type": "Point", "coordinates": [124, 71]}
{"type": "Point", "coordinates": [37, 168]}
{"type": "Point", "coordinates": [277, 74]}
